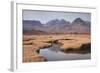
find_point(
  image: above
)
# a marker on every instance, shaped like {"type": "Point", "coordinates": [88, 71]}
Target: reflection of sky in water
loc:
{"type": "Point", "coordinates": [45, 16]}
{"type": "Point", "coordinates": [54, 55]}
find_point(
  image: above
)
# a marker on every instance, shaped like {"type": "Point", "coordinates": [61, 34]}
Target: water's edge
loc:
{"type": "Point", "coordinates": [54, 53]}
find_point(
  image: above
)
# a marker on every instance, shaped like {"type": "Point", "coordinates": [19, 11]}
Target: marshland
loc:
{"type": "Point", "coordinates": [40, 48]}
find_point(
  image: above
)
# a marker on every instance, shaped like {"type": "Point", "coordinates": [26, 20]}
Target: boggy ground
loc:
{"type": "Point", "coordinates": [69, 43]}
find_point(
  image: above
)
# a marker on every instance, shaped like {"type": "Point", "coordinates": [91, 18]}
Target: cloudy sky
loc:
{"type": "Point", "coordinates": [45, 16]}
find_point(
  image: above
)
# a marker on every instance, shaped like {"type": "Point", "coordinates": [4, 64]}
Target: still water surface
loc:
{"type": "Point", "coordinates": [54, 54]}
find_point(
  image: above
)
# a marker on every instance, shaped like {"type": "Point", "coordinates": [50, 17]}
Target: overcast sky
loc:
{"type": "Point", "coordinates": [45, 16]}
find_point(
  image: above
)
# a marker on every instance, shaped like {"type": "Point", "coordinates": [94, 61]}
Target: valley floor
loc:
{"type": "Point", "coordinates": [68, 43]}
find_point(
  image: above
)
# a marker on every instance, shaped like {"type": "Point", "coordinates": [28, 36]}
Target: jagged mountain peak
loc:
{"type": "Point", "coordinates": [57, 22]}
{"type": "Point", "coordinates": [78, 20]}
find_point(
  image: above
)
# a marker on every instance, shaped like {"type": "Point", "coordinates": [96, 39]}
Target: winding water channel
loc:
{"type": "Point", "coordinates": [53, 53]}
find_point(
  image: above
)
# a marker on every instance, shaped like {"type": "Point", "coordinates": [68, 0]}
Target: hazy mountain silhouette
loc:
{"type": "Point", "coordinates": [57, 26]}
{"type": "Point", "coordinates": [31, 24]}
{"type": "Point", "coordinates": [80, 26]}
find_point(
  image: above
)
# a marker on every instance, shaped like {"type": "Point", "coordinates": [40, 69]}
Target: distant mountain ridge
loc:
{"type": "Point", "coordinates": [57, 26]}
{"type": "Point", "coordinates": [57, 22]}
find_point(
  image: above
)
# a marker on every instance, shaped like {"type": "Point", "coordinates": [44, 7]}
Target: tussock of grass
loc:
{"type": "Point", "coordinates": [84, 48]}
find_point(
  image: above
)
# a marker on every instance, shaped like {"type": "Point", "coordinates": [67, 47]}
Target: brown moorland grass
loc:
{"type": "Point", "coordinates": [69, 43]}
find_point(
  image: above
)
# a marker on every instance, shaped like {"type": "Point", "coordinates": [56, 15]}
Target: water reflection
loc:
{"type": "Point", "coordinates": [53, 53]}
{"type": "Point", "coordinates": [54, 48]}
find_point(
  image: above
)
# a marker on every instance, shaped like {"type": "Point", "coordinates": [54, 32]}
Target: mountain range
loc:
{"type": "Point", "coordinates": [56, 26]}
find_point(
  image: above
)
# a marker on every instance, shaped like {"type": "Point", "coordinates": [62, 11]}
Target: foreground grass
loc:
{"type": "Point", "coordinates": [70, 43]}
